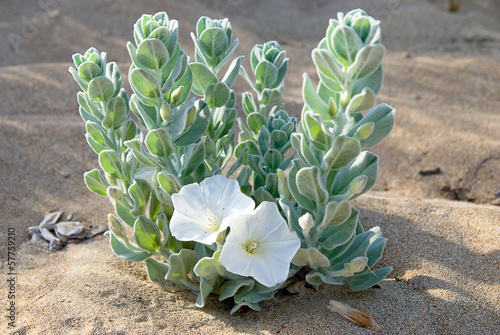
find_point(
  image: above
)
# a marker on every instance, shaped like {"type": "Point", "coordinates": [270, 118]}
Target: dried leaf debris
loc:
{"type": "Point", "coordinates": [357, 316]}
{"type": "Point", "coordinates": [59, 232]}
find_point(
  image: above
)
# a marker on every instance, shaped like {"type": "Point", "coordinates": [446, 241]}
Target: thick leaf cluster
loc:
{"type": "Point", "coordinates": [181, 133]}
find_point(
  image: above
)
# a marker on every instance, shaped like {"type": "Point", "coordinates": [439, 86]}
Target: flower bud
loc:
{"type": "Point", "coordinates": [345, 98]}
{"type": "Point", "coordinates": [281, 175]}
{"type": "Point", "coordinates": [110, 179]}
{"type": "Point", "coordinates": [332, 109]}
{"type": "Point", "coordinates": [357, 186]}
{"type": "Point", "coordinates": [117, 195]}
{"type": "Point", "coordinates": [165, 112]}
{"type": "Point", "coordinates": [364, 131]}
{"type": "Point", "coordinates": [176, 95]}
{"type": "Point", "coordinates": [356, 265]}
{"type": "Point", "coordinates": [306, 222]}
{"type": "Point", "coordinates": [116, 227]}
{"type": "Point", "coordinates": [209, 146]}
{"type": "Point", "coordinates": [191, 117]}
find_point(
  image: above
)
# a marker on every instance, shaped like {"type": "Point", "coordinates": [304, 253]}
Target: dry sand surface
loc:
{"type": "Point", "coordinates": [443, 77]}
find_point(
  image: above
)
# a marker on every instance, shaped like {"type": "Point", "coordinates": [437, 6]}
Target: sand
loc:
{"type": "Point", "coordinates": [442, 76]}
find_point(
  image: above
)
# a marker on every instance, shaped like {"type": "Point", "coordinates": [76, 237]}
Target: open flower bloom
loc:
{"type": "Point", "coordinates": [260, 245]}
{"type": "Point", "coordinates": [201, 210]}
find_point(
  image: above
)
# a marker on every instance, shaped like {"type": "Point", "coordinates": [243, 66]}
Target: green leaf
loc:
{"type": "Point", "coordinates": [318, 133]}
{"type": "Point", "coordinates": [273, 159]}
{"type": "Point", "coordinates": [214, 42]}
{"type": "Point", "coordinates": [261, 195]}
{"type": "Point", "coordinates": [316, 278]}
{"type": "Point", "coordinates": [383, 118]}
{"type": "Point", "coordinates": [130, 131]}
{"type": "Point", "coordinates": [211, 272]}
{"type": "Point", "coordinates": [232, 71]}
{"type": "Point", "coordinates": [114, 74]}
{"type": "Point", "coordinates": [266, 73]}
{"type": "Point", "coordinates": [281, 72]}
{"type": "Point", "coordinates": [136, 146]}
{"type": "Point", "coordinates": [181, 264]}
{"type": "Point", "coordinates": [228, 55]}
{"type": "Point", "coordinates": [302, 200]}
{"type": "Point", "coordinates": [202, 77]}
{"type": "Point", "coordinates": [362, 27]}
{"type": "Point", "coordinates": [223, 120]}
{"type": "Point", "coordinates": [171, 72]}
{"type": "Point", "coordinates": [310, 185]}
{"type": "Point", "coordinates": [194, 156]}
{"type": "Point", "coordinates": [279, 140]}
{"type": "Point", "coordinates": [361, 102]}
{"type": "Point", "coordinates": [337, 235]}
{"type": "Point", "coordinates": [152, 54]}
{"type": "Point", "coordinates": [375, 251]}
{"type": "Point", "coordinates": [89, 107]}
{"type": "Point", "coordinates": [198, 128]}
{"type": "Point", "coordinates": [121, 251]}
{"type": "Point", "coordinates": [216, 95]}
{"type": "Point", "coordinates": [327, 65]}
{"type": "Point", "coordinates": [368, 279]}
{"type": "Point", "coordinates": [89, 70]}
{"type": "Point", "coordinates": [255, 163]}
{"type": "Point", "coordinates": [373, 81]}
{"type": "Point", "coordinates": [357, 249]}
{"type": "Point", "coordinates": [248, 103]}
{"type": "Point", "coordinates": [139, 191]}
{"type": "Point", "coordinates": [365, 164]}
{"type": "Point", "coordinates": [95, 131]}
{"type": "Point", "coordinates": [313, 100]}
{"type": "Point", "coordinates": [231, 287]}
{"type": "Point", "coordinates": [258, 293]}
{"type": "Point", "coordinates": [159, 142]}
{"type": "Point", "coordinates": [95, 182]}
{"type": "Point", "coordinates": [110, 163]}
{"type": "Point", "coordinates": [147, 234]}
{"type": "Point", "coordinates": [169, 183]}
{"type": "Point", "coordinates": [270, 96]}
{"type": "Point", "coordinates": [146, 85]}
{"type": "Point", "coordinates": [345, 43]}
{"type": "Point", "coordinates": [100, 89]}
{"type": "Point", "coordinates": [210, 268]}
{"type": "Point", "coordinates": [272, 184]}
{"type": "Point", "coordinates": [311, 257]}
{"type": "Point", "coordinates": [124, 214]}
{"type": "Point", "coordinates": [336, 213]}
{"type": "Point", "coordinates": [255, 121]}
{"type": "Point", "coordinates": [116, 113]}
{"type": "Point", "coordinates": [341, 154]}
{"type": "Point", "coordinates": [177, 121]}
{"type": "Point", "coordinates": [157, 271]}
{"type": "Point", "coordinates": [367, 61]}
{"type": "Point", "coordinates": [146, 114]}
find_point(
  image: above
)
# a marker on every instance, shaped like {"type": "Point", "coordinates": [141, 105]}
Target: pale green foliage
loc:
{"type": "Point", "coordinates": [182, 133]}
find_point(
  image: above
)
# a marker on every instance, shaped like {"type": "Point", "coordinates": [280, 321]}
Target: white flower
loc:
{"type": "Point", "coordinates": [260, 245]}
{"type": "Point", "coordinates": [201, 210]}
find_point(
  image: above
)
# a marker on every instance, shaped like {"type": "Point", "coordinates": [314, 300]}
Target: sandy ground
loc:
{"type": "Point", "coordinates": [442, 76]}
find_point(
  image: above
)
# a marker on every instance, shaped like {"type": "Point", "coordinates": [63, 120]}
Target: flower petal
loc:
{"type": "Point", "coordinates": [191, 202]}
{"type": "Point", "coordinates": [186, 229]}
{"type": "Point", "coordinates": [201, 209]}
{"type": "Point", "coordinates": [276, 245]}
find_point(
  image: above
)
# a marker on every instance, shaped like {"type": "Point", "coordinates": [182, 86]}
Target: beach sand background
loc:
{"type": "Point", "coordinates": [442, 74]}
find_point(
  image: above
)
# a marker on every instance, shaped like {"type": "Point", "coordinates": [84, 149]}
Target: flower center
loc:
{"type": "Point", "coordinates": [213, 224]}
{"type": "Point", "coordinates": [251, 246]}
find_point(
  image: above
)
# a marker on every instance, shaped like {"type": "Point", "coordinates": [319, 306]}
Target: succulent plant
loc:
{"type": "Point", "coordinates": [162, 169]}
